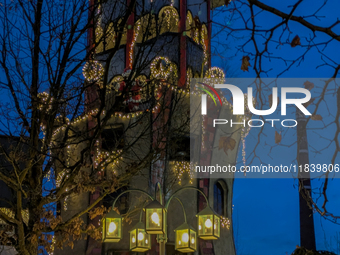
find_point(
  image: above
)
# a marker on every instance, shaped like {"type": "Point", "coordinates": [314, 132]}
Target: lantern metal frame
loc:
{"type": "Point", "coordinates": [185, 227]}
{"type": "Point", "coordinates": [139, 245]}
{"type": "Point", "coordinates": [115, 218]}
{"type": "Point", "coordinates": [208, 232]}
{"type": "Point", "coordinates": [162, 235]}
{"type": "Point", "coordinates": [152, 208]}
{"type": "Point", "coordinates": [191, 244]}
{"type": "Point", "coordinates": [114, 214]}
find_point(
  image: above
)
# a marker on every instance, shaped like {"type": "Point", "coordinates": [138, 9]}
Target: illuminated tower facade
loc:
{"type": "Point", "coordinates": [164, 44]}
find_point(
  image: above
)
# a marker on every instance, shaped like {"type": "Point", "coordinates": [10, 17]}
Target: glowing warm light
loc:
{"type": "Point", "coordinates": [155, 218]}
{"type": "Point", "coordinates": [185, 237]}
{"type": "Point", "coordinates": [112, 227]}
{"type": "Point", "coordinates": [192, 240]}
{"type": "Point", "coordinates": [133, 240]}
{"type": "Point", "coordinates": [146, 241]}
{"type": "Point", "coordinates": [208, 223]}
{"type": "Point", "coordinates": [140, 236]}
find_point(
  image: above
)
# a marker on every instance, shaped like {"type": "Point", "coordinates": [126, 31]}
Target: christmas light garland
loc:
{"type": "Point", "coordinates": [188, 24]}
{"type": "Point", "coordinates": [204, 34]}
{"type": "Point", "coordinates": [189, 76]}
{"type": "Point", "coordinates": [158, 71]}
{"type": "Point", "coordinates": [105, 157]}
{"type": "Point", "coordinates": [132, 45]}
{"type": "Point", "coordinates": [225, 222]}
{"type": "Point", "coordinates": [170, 15]}
{"type": "Point", "coordinates": [93, 71]}
{"type": "Point", "coordinates": [101, 157]}
{"type": "Point", "coordinates": [181, 167]}
{"type": "Point", "coordinates": [43, 97]}
{"type": "Point", "coordinates": [9, 212]}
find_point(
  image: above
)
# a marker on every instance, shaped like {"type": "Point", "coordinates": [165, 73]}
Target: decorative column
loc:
{"type": "Point", "coordinates": [129, 39]}
{"type": "Point", "coordinates": [208, 138]}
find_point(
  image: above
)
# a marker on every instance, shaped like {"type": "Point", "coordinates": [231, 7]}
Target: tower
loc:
{"type": "Point", "coordinates": [151, 50]}
{"type": "Point", "coordinates": [307, 235]}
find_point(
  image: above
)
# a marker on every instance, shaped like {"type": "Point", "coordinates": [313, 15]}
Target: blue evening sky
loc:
{"type": "Point", "coordinates": [266, 211]}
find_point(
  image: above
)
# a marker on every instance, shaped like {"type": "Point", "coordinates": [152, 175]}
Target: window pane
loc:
{"type": "Point", "coordinates": [219, 199]}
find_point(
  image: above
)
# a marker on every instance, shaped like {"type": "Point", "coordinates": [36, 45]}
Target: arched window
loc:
{"type": "Point", "coordinates": [168, 19]}
{"type": "Point", "coordinates": [220, 197]}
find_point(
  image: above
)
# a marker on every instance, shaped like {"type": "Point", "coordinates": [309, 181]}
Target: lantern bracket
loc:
{"type": "Point", "coordinates": [130, 190]}
{"type": "Point", "coordinates": [159, 187]}
{"type": "Point", "coordinates": [184, 188]}
{"type": "Point", "coordinates": [185, 215]}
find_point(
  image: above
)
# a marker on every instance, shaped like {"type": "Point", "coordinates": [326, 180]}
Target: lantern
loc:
{"type": "Point", "coordinates": [209, 224]}
{"type": "Point", "coordinates": [139, 239]}
{"type": "Point", "coordinates": [155, 215]}
{"type": "Point", "coordinates": [112, 227]}
{"type": "Point", "coordinates": [185, 238]}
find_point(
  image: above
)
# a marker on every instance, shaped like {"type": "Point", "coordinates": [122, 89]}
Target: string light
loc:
{"type": "Point", "coordinates": [53, 243]}
{"type": "Point", "coordinates": [158, 71]}
{"type": "Point", "coordinates": [189, 23]}
{"type": "Point", "coordinates": [99, 32]}
{"type": "Point", "coordinates": [204, 34]}
{"type": "Point", "coordinates": [189, 76]}
{"type": "Point", "coordinates": [9, 212]}
{"type": "Point", "coordinates": [181, 167]}
{"type": "Point", "coordinates": [170, 15]}
{"type": "Point", "coordinates": [196, 35]}
{"type": "Point", "coordinates": [135, 35]}
{"type": "Point", "coordinates": [93, 71]}
{"type": "Point", "coordinates": [105, 157]}
{"type": "Point", "coordinates": [225, 222]}
{"type": "Point", "coordinates": [43, 97]}
{"type": "Point", "coordinates": [215, 75]}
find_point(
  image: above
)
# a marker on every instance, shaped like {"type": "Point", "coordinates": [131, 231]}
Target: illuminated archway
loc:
{"type": "Point", "coordinates": [168, 20]}
{"type": "Point", "coordinates": [189, 25]}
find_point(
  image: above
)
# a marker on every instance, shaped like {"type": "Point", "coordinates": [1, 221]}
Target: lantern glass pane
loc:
{"type": "Point", "coordinates": [139, 240]}
{"type": "Point", "coordinates": [133, 239]}
{"type": "Point", "coordinates": [112, 229]}
{"type": "Point", "coordinates": [205, 226]}
{"type": "Point", "coordinates": [182, 239]}
{"type": "Point", "coordinates": [192, 239]}
{"type": "Point", "coordinates": [154, 220]}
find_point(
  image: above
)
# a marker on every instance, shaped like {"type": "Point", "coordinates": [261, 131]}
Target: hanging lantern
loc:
{"type": "Point", "coordinates": [139, 239]}
{"type": "Point", "coordinates": [209, 224]}
{"type": "Point", "coordinates": [185, 238]}
{"type": "Point", "coordinates": [112, 227]}
{"type": "Point", "coordinates": [155, 215]}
